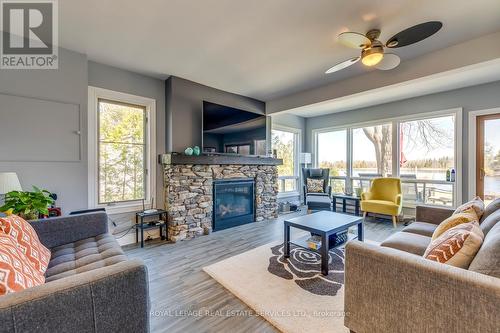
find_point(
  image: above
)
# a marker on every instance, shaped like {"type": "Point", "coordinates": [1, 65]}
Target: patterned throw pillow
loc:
{"type": "Point", "coordinates": [16, 271]}
{"type": "Point", "coordinates": [314, 185]}
{"type": "Point", "coordinates": [456, 246]}
{"type": "Point", "coordinates": [27, 241]}
{"type": "Point", "coordinates": [468, 215]}
{"type": "Point", "coordinates": [477, 204]}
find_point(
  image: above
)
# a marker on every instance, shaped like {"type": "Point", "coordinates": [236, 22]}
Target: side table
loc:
{"type": "Point", "coordinates": [141, 225]}
{"type": "Point", "coordinates": [347, 200]}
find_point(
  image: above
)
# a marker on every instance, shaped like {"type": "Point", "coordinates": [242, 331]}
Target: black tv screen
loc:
{"type": "Point", "coordinates": [233, 131]}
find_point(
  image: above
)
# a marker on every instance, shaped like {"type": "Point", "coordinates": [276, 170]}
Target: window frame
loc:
{"type": "Point", "coordinates": [396, 121]}
{"type": "Point", "coordinates": [297, 132]}
{"type": "Point", "coordinates": [94, 95]}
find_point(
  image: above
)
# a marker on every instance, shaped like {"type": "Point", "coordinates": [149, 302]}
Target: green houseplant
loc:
{"type": "Point", "coordinates": [28, 205]}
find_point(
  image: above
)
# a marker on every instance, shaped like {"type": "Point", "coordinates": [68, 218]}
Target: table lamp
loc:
{"type": "Point", "coordinates": [9, 182]}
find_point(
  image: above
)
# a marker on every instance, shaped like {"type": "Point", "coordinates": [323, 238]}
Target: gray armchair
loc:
{"type": "Point", "coordinates": [316, 199]}
{"type": "Point", "coordinates": [90, 285]}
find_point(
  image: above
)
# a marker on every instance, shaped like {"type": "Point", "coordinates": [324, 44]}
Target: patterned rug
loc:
{"type": "Point", "coordinates": [291, 294]}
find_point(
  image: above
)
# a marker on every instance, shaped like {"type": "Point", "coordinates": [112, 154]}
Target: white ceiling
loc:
{"type": "Point", "coordinates": [260, 48]}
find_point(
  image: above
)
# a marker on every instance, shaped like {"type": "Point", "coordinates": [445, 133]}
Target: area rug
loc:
{"type": "Point", "coordinates": [291, 294]}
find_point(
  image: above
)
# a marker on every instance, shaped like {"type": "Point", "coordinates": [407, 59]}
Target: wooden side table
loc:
{"type": "Point", "coordinates": [141, 225]}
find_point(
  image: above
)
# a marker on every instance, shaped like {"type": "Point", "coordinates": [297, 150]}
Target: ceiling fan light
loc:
{"type": "Point", "coordinates": [372, 56]}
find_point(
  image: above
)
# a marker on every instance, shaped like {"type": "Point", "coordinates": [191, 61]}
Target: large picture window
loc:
{"type": "Point", "coordinates": [121, 150]}
{"type": "Point", "coordinates": [122, 147]}
{"type": "Point", "coordinates": [287, 146]}
{"type": "Point", "coordinates": [421, 150]}
{"type": "Point", "coordinates": [427, 153]}
{"type": "Point", "coordinates": [332, 154]}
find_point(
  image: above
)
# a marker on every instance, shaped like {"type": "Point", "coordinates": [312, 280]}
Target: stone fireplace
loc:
{"type": "Point", "coordinates": [244, 188]}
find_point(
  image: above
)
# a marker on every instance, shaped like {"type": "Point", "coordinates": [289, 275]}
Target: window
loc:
{"type": "Point", "coordinates": [427, 153]}
{"type": "Point", "coordinates": [286, 144]}
{"type": "Point", "coordinates": [121, 149]}
{"type": "Point", "coordinates": [419, 149]}
{"type": "Point", "coordinates": [372, 151]}
{"type": "Point", "coordinates": [332, 154]}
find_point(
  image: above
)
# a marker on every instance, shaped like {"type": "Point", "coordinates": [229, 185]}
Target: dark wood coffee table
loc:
{"type": "Point", "coordinates": [322, 223]}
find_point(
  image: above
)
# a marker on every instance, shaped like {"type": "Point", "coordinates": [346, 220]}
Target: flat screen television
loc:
{"type": "Point", "coordinates": [227, 130]}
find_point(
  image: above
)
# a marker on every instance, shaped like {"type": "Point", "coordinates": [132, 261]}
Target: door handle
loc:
{"type": "Point", "coordinates": [482, 173]}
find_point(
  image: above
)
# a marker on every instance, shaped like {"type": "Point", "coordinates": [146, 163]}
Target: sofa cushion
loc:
{"type": "Point", "coordinates": [465, 216]}
{"type": "Point", "coordinates": [408, 242]}
{"type": "Point", "coordinates": [27, 241]}
{"type": "Point", "coordinates": [487, 259]}
{"type": "Point", "coordinates": [16, 271]}
{"type": "Point", "coordinates": [493, 207]}
{"type": "Point", "coordinates": [421, 228]}
{"type": "Point", "coordinates": [490, 221]}
{"type": "Point", "coordinates": [380, 206]}
{"type": "Point", "coordinates": [456, 246]}
{"type": "Point", "coordinates": [84, 255]}
{"type": "Point", "coordinates": [477, 204]}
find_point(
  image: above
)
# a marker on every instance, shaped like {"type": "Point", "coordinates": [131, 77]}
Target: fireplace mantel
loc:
{"type": "Point", "coordinates": [178, 159]}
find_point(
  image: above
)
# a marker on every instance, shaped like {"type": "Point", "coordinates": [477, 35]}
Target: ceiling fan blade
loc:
{"type": "Point", "coordinates": [353, 39]}
{"type": "Point", "coordinates": [414, 34]}
{"type": "Point", "coordinates": [389, 61]}
{"type": "Point", "coordinates": [343, 65]}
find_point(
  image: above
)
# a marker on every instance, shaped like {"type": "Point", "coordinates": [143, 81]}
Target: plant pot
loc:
{"type": "Point", "coordinates": [29, 216]}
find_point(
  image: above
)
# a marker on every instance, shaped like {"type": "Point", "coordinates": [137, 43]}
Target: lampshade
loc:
{"type": "Point", "coordinates": [372, 56]}
{"type": "Point", "coordinates": [9, 182]}
{"type": "Point", "coordinates": [305, 158]}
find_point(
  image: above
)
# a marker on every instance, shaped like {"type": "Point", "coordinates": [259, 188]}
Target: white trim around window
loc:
{"type": "Point", "coordinates": [94, 94]}
{"type": "Point", "coordinates": [472, 146]}
{"type": "Point", "coordinates": [395, 121]}
{"type": "Point", "coordinates": [298, 149]}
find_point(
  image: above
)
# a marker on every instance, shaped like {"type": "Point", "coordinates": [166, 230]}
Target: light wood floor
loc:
{"type": "Point", "coordinates": [186, 299]}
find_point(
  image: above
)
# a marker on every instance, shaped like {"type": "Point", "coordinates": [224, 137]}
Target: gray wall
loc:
{"type": "Point", "coordinates": [480, 97]}
{"type": "Point", "coordinates": [184, 106]}
{"type": "Point", "coordinates": [117, 79]}
{"type": "Point", "coordinates": [67, 84]}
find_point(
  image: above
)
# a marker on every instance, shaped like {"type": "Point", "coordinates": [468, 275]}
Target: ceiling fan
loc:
{"type": "Point", "coordinates": [372, 50]}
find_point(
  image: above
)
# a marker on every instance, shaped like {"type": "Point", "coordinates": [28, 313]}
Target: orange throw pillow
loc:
{"type": "Point", "coordinates": [16, 271]}
{"type": "Point", "coordinates": [27, 241]}
{"type": "Point", "coordinates": [457, 246]}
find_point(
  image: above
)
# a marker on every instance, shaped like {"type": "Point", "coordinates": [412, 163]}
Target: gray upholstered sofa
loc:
{"type": "Point", "coordinates": [90, 286]}
{"type": "Point", "coordinates": [392, 288]}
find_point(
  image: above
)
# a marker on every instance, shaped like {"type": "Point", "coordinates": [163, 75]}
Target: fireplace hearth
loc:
{"type": "Point", "coordinates": [233, 203]}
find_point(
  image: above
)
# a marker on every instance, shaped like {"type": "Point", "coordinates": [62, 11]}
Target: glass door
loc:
{"type": "Point", "coordinates": [488, 157]}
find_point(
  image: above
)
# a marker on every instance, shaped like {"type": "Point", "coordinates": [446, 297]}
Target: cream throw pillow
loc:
{"type": "Point", "coordinates": [477, 204]}
{"type": "Point", "coordinates": [456, 246]}
{"type": "Point", "coordinates": [468, 215]}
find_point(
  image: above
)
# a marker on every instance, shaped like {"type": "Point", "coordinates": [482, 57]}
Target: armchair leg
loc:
{"type": "Point", "coordinates": [365, 214]}
{"type": "Point", "coordinates": [395, 221]}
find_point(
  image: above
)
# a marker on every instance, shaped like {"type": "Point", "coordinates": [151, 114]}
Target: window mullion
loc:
{"type": "Point", "coordinates": [348, 184]}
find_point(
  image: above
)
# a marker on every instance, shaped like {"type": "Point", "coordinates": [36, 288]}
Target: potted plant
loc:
{"type": "Point", "coordinates": [28, 205]}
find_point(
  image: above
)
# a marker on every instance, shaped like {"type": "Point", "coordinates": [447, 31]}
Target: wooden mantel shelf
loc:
{"type": "Point", "coordinates": [219, 159]}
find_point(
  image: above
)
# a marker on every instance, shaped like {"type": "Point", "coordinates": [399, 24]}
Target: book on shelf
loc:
{"type": "Point", "coordinates": [314, 242]}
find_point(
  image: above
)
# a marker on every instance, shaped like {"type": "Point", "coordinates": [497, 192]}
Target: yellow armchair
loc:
{"type": "Point", "coordinates": [384, 198]}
